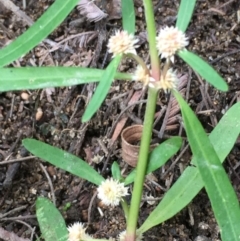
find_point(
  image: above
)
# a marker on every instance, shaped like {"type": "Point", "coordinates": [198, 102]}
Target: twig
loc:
{"type": "Point", "coordinates": [32, 229]}
{"type": "Point", "coordinates": [90, 207]}
{"type": "Point", "coordinates": [12, 211]}
{"type": "Point", "coordinates": [190, 205]}
{"type": "Point", "coordinates": [175, 162]}
{"type": "Point", "coordinates": [233, 168]}
{"type": "Point", "coordinates": [123, 111]}
{"type": "Point", "coordinates": [18, 160]}
{"type": "Point", "coordinates": [12, 104]}
{"type": "Point", "coordinates": [225, 4]}
{"type": "Point", "coordinates": [224, 55]}
{"type": "Point", "coordinates": [234, 98]}
{"type": "Point", "coordinates": [58, 45]}
{"type": "Point", "coordinates": [49, 182]}
{"type": "Point", "coordinates": [18, 218]}
{"type": "Point", "coordinates": [11, 6]}
{"type": "Point", "coordinates": [206, 104]}
{"type": "Point", "coordinates": [188, 83]}
{"type": "Point", "coordinates": [159, 115]}
{"type": "Point", "coordinates": [164, 123]}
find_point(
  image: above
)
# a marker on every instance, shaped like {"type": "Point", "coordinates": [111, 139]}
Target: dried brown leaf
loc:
{"type": "Point", "coordinates": [171, 118]}
{"type": "Point", "coordinates": [9, 236]}
{"type": "Point", "coordinates": [174, 109]}
{"type": "Point", "coordinates": [114, 10]}
{"type": "Point", "coordinates": [88, 9]}
{"type": "Point", "coordinates": [84, 39]}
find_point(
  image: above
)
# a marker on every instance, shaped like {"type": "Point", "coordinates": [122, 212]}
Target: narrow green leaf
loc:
{"type": "Point", "coordinates": [54, 15]}
{"type": "Point", "coordinates": [102, 89]}
{"type": "Point", "coordinates": [43, 77]}
{"type": "Point", "coordinates": [116, 173]}
{"type": "Point", "coordinates": [158, 157]}
{"type": "Point", "coordinates": [204, 69]}
{"type": "Point", "coordinates": [220, 191]}
{"type": "Point", "coordinates": [128, 16]}
{"type": "Point", "coordinates": [185, 14]}
{"type": "Point", "coordinates": [51, 222]}
{"type": "Point", "coordinates": [63, 160]}
{"type": "Point", "coordinates": [190, 182]}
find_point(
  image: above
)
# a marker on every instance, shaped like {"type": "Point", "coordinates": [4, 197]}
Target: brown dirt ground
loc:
{"type": "Point", "coordinates": [214, 35]}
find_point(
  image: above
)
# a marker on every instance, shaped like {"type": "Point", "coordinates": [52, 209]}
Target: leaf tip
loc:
{"type": "Point", "coordinates": [85, 118]}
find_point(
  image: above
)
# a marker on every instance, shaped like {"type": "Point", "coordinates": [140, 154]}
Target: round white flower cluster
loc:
{"type": "Point", "coordinates": [122, 235]}
{"type": "Point", "coordinates": [142, 75]}
{"type": "Point", "coordinates": [76, 232]}
{"type": "Point", "coordinates": [122, 43]}
{"type": "Point", "coordinates": [167, 82]}
{"type": "Point", "coordinates": [111, 192]}
{"type": "Point", "coordinates": [169, 41]}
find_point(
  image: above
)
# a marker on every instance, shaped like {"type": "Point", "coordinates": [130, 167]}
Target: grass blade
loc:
{"type": "Point", "coordinates": [190, 182]}
{"type": "Point", "coordinates": [158, 157]}
{"type": "Point", "coordinates": [102, 89]}
{"type": "Point", "coordinates": [220, 191]}
{"type": "Point", "coordinates": [116, 172]}
{"type": "Point", "coordinates": [63, 160]}
{"type": "Point", "coordinates": [54, 15]}
{"type": "Point", "coordinates": [51, 222]}
{"type": "Point", "coordinates": [185, 14]}
{"type": "Point", "coordinates": [204, 69]}
{"type": "Point", "coordinates": [37, 78]}
{"type": "Point", "coordinates": [128, 16]}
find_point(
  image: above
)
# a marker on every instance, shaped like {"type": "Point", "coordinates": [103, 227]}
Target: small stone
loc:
{"type": "Point", "coordinates": [24, 96]}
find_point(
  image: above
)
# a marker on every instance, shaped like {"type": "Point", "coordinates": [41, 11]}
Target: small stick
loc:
{"type": "Point", "coordinates": [175, 162]}
{"type": "Point", "coordinates": [90, 207]}
{"type": "Point", "coordinates": [18, 160]}
{"type": "Point", "coordinates": [12, 211]}
{"type": "Point", "coordinates": [17, 218]}
{"type": "Point", "coordinates": [32, 229]}
{"type": "Point", "coordinates": [50, 183]}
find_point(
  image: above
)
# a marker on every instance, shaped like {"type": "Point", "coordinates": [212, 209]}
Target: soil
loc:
{"type": "Point", "coordinates": [54, 115]}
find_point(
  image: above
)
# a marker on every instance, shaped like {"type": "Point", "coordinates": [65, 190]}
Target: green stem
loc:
{"type": "Point", "coordinates": [125, 208]}
{"type": "Point", "coordinates": [142, 165]}
{"type": "Point", "coordinates": [151, 30]}
{"type": "Point", "coordinates": [165, 68]}
{"type": "Point", "coordinates": [122, 76]}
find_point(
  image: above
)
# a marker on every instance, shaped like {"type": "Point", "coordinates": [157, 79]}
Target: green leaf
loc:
{"type": "Point", "coordinates": [204, 69]}
{"type": "Point", "coordinates": [51, 222]}
{"type": "Point", "coordinates": [43, 77]}
{"type": "Point", "coordinates": [102, 89]}
{"type": "Point", "coordinates": [67, 206]}
{"type": "Point", "coordinates": [128, 16]}
{"type": "Point", "coordinates": [116, 173]}
{"type": "Point", "coordinates": [190, 182]}
{"type": "Point", "coordinates": [63, 160]}
{"type": "Point", "coordinates": [185, 14]}
{"type": "Point", "coordinates": [54, 15]}
{"type": "Point", "coordinates": [158, 157]}
{"type": "Point", "coordinates": [217, 184]}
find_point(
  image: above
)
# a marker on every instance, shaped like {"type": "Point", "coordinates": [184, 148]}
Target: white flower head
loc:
{"type": "Point", "coordinates": [111, 192]}
{"type": "Point", "coordinates": [76, 232]}
{"type": "Point", "coordinates": [141, 75]}
{"type": "Point", "coordinates": [122, 43]}
{"type": "Point", "coordinates": [122, 236]}
{"type": "Point", "coordinates": [167, 82]}
{"type": "Point", "coordinates": [169, 41]}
